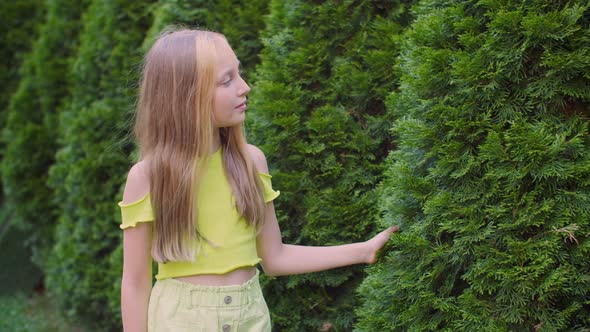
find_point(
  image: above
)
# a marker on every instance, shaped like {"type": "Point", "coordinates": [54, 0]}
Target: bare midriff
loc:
{"type": "Point", "coordinates": [234, 277]}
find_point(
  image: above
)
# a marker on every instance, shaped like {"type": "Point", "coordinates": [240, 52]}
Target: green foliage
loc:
{"type": "Point", "coordinates": [31, 127]}
{"type": "Point", "coordinates": [19, 23]}
{"type": "Point", "coordinates": [92, 160]}
{"type": "Point", "coordinates": [318, 113]}
{"type": "Point", "coordinates": [491, 178]}
{"type": "Point", "coordinates": [12, 312]}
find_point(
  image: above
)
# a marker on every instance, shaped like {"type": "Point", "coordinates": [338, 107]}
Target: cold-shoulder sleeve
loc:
{"type": "Point", "coordinates": [138, 211]}
{"type": "Point", "coordinates": [269, 193]}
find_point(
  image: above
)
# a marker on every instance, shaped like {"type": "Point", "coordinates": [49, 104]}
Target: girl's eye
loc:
{"type": "Point", "coordinates": [230, 79]}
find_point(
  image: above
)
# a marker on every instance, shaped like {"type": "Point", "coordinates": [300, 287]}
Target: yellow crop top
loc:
{"type": "Point", "coordinates": [219, 222]}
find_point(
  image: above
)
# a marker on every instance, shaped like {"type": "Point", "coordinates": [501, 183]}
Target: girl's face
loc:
{"type": "Point", "coordinates": [229, 100]}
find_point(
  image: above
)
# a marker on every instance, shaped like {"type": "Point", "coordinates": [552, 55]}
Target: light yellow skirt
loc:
{"type": "Point", "coordinates": [180, 306]}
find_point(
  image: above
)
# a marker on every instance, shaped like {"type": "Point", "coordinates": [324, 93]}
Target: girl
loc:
{"type": "Point", "coordinates": [199, 201]}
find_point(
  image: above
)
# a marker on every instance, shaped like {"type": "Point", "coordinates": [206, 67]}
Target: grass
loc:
{"type": "Point", "coordinates": [22, 309]}
{"type": "Point", "coordinates": [36, 313]}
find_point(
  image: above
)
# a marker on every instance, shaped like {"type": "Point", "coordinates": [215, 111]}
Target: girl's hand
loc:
{"type": "Point", "coordinates": [377, 242]}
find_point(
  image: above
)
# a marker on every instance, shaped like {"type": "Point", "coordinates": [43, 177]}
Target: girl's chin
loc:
{"type": "Point", "coordinates": [236, 120]}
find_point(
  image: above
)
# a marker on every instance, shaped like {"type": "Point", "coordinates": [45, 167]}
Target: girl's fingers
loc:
{"type": "Point", "coordinates": [392, 229]}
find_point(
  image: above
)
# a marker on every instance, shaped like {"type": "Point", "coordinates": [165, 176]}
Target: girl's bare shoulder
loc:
{"type": "Point", "coordinates": [257, 156]}
{"type": "Point", "coordinates": [138, 183]}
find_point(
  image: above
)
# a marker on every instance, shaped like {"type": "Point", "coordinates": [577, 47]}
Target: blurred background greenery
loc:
{"type": "Point", "coordinates": [465, 122]}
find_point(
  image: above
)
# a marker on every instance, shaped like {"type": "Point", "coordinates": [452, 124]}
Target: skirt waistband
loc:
{"type": "Point", "coordinates": [192, 295]}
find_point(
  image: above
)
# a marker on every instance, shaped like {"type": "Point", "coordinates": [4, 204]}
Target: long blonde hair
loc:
{"type": "Point", "coordinates": [174, 131]}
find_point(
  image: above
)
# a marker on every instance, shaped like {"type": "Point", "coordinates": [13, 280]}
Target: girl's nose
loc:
{"type": "Point", "coordinates": [244, 88]}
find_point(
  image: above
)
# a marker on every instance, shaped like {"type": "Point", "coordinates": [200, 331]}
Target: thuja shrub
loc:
{"type": "Point", "coordinates": [92, 160]}
{"type": "Point", "coordinates": [317, 111]}
{"type": "Point", "coordinates": [19, 26]}
{"type": "Point", "coordinates": [30, 134]}
{"type": "Point", "coordinates": [491, 179]}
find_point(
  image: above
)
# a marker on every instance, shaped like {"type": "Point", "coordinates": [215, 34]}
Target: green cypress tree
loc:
{"type": "Point", "coordinates": [491, 179]}
{"type": "Point", "coordinates": [317, 111]}
{"type": "Point", "coordinates": [30, 132]}
{"type": "Point", "coordinates": [241, 22]}
{"type": "Point", "coordinates": [93, 158]}
{"type": "Point", "coordinates": [19, 25]}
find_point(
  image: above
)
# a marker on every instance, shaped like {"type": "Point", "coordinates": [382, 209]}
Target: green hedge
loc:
{"type": "Point", "coordinates": [318, 113]}
{"type": "Point", "coordinates": [92, 160]}
{"type": "Point", "coordinates": [491, 178]}
{"type": "Point", "coordinates": [31, 128]}
{"type": "Point", "coordinates": [19, 25]}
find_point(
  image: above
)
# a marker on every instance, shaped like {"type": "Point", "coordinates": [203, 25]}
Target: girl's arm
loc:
{"type": "Point", "coordinates": [285, 259]}
{"type": "Point", "coordinates": [136, 283]}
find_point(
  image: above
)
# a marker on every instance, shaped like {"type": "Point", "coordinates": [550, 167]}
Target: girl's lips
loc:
{"type": "Point", "coordinates": [241, 106]}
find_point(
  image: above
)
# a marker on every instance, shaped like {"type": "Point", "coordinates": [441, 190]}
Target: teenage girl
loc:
{"type": "Point", "coordinates": [199, 201]}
